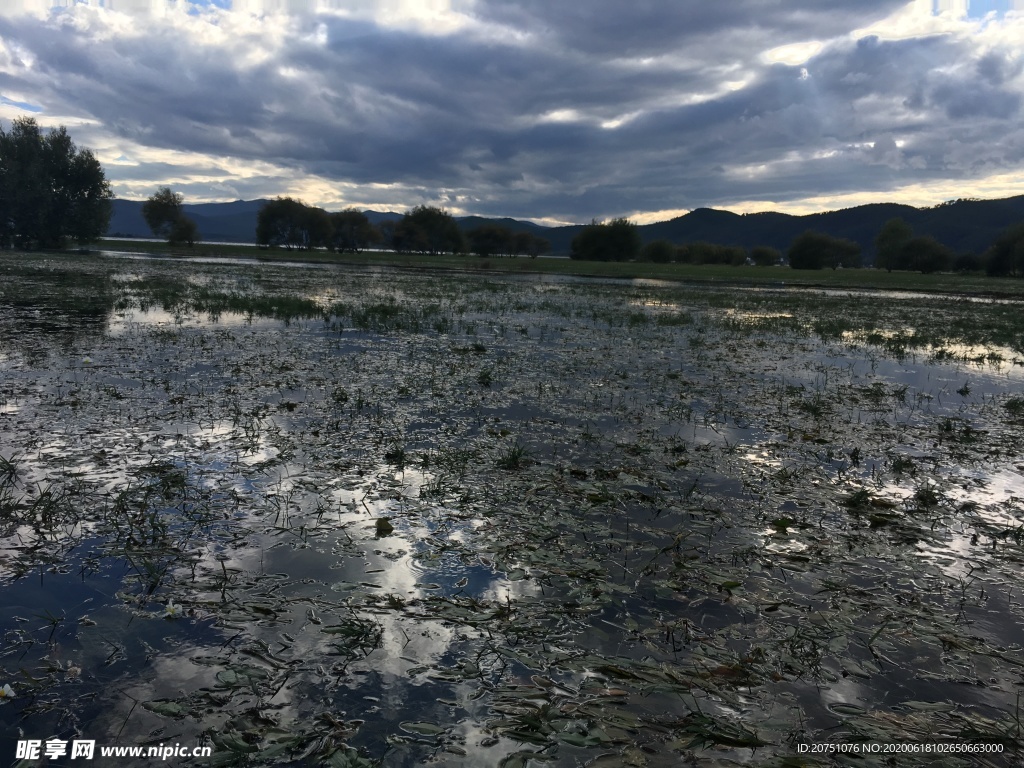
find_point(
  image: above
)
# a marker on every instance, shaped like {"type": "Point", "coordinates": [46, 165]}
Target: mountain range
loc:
{"type": "Point", "coordinates": [962, 225]}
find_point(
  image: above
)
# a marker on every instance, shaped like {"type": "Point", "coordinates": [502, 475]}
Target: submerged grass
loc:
{"type": "Point", "coordinates": [353, 518]}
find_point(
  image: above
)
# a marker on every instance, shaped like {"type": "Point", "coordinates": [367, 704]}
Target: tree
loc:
{"type": "Point", "coordinates": [531, 244]}
{"type": "Point", "coordinates": [315, 228]}
{"type": "Point", "coordinates": [617, 240]}
{"type": "Point", "coordinates": [711, 253]}
{"type": "Point", "coordinates": [816, 250]}
{"type": "Point", "coordinates": [659, 252]}
{"type": "Point", "coordinates": [490, 240]}
{"type": "Point", "coordinates": [890, 242]}
{"type": "Point", "coordinates": [276, 223]}
{"type": "Point", "coordinates": [766, 256]}
{"type": "Point", "coordinates": [50, 190]}
{"type": "Point", "coordinates": [426, 229]}
{"type": "Point", "coordinates": [166, 219]}
{"type": "Point", "coordinates": [968, 262]}
{"type": "Point", "coordinates": [161, 211]}
{"type": "Point", "coordinates": [1006, 256]}
{"type": "Point", "coordinates": [590, 244]}
{"type": "Point", "coordinates": [184, 231]}
{"type": "Point", "coordinates": [351, 231]}
{"type": "Point", "coordinates": [536, 245]}
{"type": "Point", "coordinates": [293, 224]}
{"type": "Point", "coordinates": [926, 255]}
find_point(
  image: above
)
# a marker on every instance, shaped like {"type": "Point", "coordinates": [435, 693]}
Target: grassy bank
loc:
{"type": "Point", "coordinates": [767, 276]}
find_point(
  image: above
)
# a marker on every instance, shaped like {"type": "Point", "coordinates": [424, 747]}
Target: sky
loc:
{"type": "Point", "coordinates": [549, 110]}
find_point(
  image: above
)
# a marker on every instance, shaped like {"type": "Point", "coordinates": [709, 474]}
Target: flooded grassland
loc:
{"type": "Point", "coordinates": [353, 518]}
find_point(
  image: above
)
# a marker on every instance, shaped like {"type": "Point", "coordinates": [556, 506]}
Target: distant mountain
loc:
{"type": "Point", "coordinates": [777, 230]}
{"type": "Point", "coordinates": [515, 225]}
{"type": "Point", "coordinates": [218, 222]}
{"type": "Point", "coordinates": [376, 217]}
{"type": "Point", "coordinates": [127, 219]}
{"type": "Point", "coordinates": [963, 225]}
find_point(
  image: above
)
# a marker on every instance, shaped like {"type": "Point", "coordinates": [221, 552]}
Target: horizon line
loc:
{"type": "Point", "coordinates": [648, 224]}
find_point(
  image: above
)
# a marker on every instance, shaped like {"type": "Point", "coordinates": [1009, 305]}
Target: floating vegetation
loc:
{"type": "Point", "coordinates": [318, 516]}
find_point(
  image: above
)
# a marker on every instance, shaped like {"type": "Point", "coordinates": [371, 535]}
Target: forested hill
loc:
{"type": "Point", "coordinates": [964, 225]}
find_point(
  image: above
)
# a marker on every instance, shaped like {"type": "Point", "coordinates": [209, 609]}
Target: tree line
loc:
{"type": "Point", "coordinates": [292, 224]}
{"type": "Point", "coordinates": [897, 248]}
{"type": "Point", "coordinates": [52, 192]}
{"type": "Point", "coordinates": [620, 240]}
{"type": "Point", "coordinates": [289, 223]}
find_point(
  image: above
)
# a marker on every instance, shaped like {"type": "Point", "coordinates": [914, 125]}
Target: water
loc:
{"type": "Point", "coordinates": [629, 535]}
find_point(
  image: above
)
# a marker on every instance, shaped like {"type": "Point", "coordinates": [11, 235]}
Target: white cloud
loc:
{"type": "Point", "coordinates": [793, 54]}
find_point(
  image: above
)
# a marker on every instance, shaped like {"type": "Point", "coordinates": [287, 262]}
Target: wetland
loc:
{"type": "Point", "coordinates": [331, 515]}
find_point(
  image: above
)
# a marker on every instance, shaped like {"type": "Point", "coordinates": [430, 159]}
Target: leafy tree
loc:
{"type": "Point", "coordinates": [926, 255]}
{"type": "Point", "coordinates": [531, 244]}
{"type": "Point", "coordinates": [1006, 256]}
{"type": "Point", "coordinates": [617, 240]}
{"type": "Point", "coordinates": [277, 223]}
{"type": "Point", "coordinates": [406, 237]}
{"type": "Point", "coordinates": [712, 253]}
{"type": "Point", "coordinates": [165, 216]}
{"type": "Point", "coordinates": [766, 256]}
{"type": "Point", "coordinates": [890, 244]}
{"type": "Point", "coordinates": [293, 224]}
{"type": "Point", "coordinates": [591, 244]}
{"type": "Point", "coordinates": [426, 229]}
{"type": "Point", "coordinates": [351, 231]}
{"type": "Point", "coordinates": [519, 243]}
{"type": "Point", "coordinates": [816, 250]}
{"type": "Point", "coordinates": [162, 210]}
{"type": "Point", "coordinates": [184, 231]}
{"type": "Point", "coordinates": [50, 190]}
{"type": "Point", "coordinates": [490, 240]}
{"type": "Point", "coordinates": [659, 251]}
{"type": "Point", "coordinates": [315, 228]}
{"type": "Point", "coordinates": [496, 240]}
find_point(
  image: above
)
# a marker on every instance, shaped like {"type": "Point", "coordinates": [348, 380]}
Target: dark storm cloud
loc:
{"type": "Point", "coordinates": [647, 27]}
{"type": "Point", "coordinates": [539, 109]}
{"type": "Point", "coordinates": [965, 100]}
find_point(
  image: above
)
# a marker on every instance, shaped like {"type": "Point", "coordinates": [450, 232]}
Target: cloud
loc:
{"type": "Point", "coordinates": [529, 109]}
{"type": "Point", "coordinates": [604, 28]}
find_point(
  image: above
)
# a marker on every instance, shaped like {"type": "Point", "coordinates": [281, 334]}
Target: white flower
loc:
{"type": "Point", "coordinates": [172, 611]}
{"type": "Point", "coordinates": [87, 360]}
{"type": "Point", "coordinates": [6, 692]}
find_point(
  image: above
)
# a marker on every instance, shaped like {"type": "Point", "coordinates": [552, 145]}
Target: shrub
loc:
{"type": "Point", "coordinates": [816, 250]}
{"type": "Point", "coordinates": [968, 262]}
{"type": "Point", "coordinates": [659, 252]}
{"type": "Point", "coordinates": [712, 253]}
{"type": "Point", "coordinates": [926, 254]}
{"type": "Point", "coordinates": [764, 256]}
